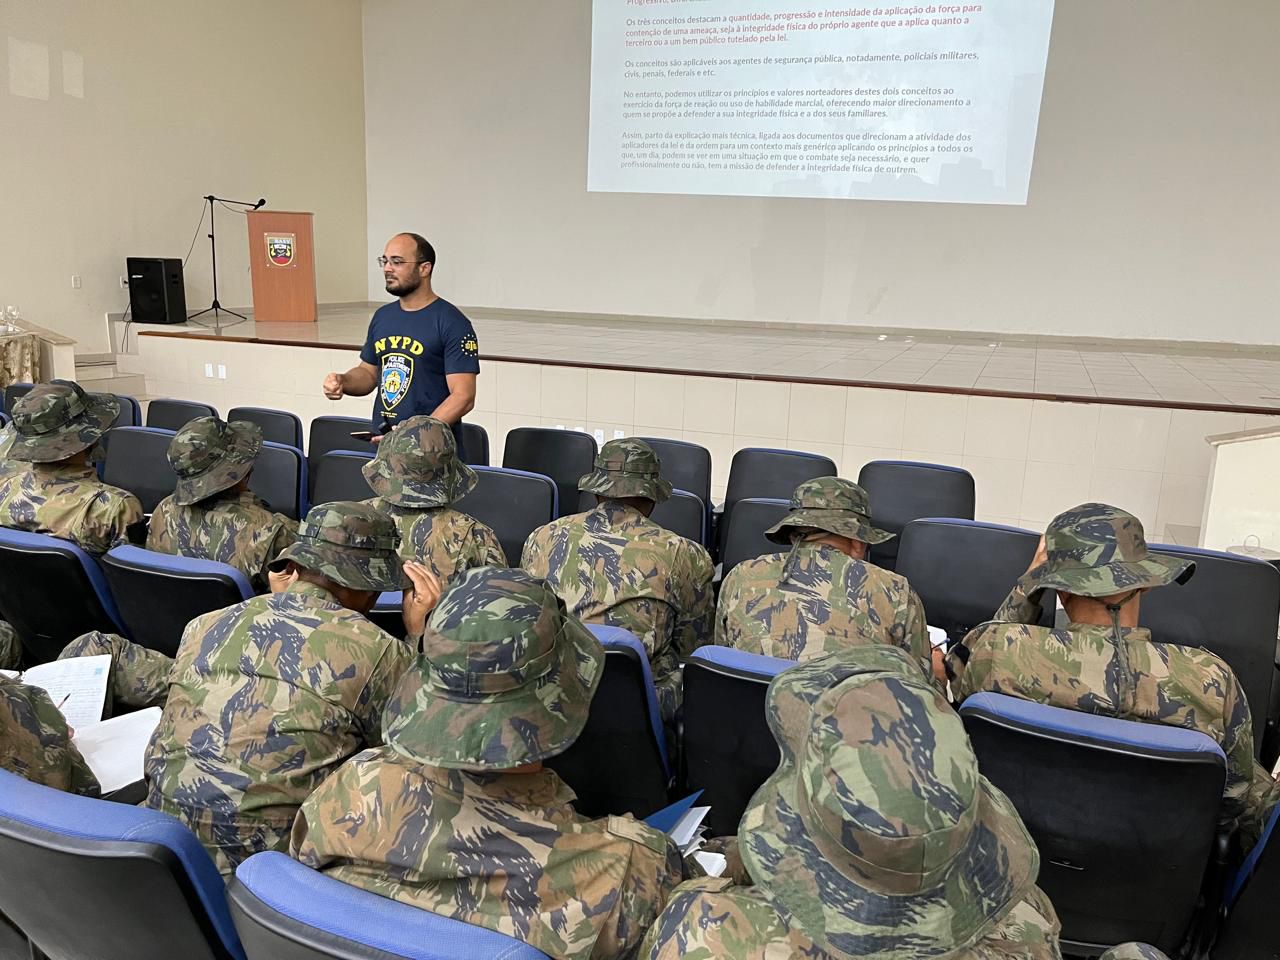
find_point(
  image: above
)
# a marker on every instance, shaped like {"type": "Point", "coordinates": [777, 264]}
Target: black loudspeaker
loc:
{"type": "Point", "coordinates": [156, 292]}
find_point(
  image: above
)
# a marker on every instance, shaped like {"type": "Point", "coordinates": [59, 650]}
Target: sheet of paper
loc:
{"type": "Point", "coordinates": [77, 686]}
{"type": "Point", "coordinates": [937, 636]}
{"type": "Point", "coordinates": [686, 829]}
{"type": "Point", "coordinates": [11, 674]}
{"type": "Point", "coordinates": [714, 863]}
{"type": "Point", "coordinates": [114, 749]}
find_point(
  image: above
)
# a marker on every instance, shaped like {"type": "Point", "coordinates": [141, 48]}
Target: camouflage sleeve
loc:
{"type": "Point", "coordinates": [697, 618]}
{"type": "Point", "coordinates": [10, 647]}
{"type": "Point", "coordinates": [395, 660]}
{"type": "Point", "coordinates": [1134, 951]}
{"type": "Point", "coordinates": [139, 676]}
{"type": "Point", "coordinates": [488, 548]}
{"type": "Point", "coordinates": [1019, 606]}
{"type": "Point", "coordinates": [710, 918]}
{"type": "Point", "coordinates": [728, 600]}
{"type": "Point", "coordinates": [107, 521]}
{"type": "Point", "coordinates": [532, 558]}
{"type": "Point", "coordinates": [1029, 932]}
{"type": "Point", "coordinates": [917, 634]}
{"type": "Point", "coordinates": [969, 662]}
{"type": "Point", "coordinates": [1250, 793]}
{"type": "Point", "coordinates": [653, 873]}
{"type": "Point", "coordinates": [159, 534]}
{"type": "Point", "coordinates": [37, 743]}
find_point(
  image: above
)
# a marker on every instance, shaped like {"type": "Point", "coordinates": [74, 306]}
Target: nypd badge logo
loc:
{"type": "Point", "coordinates": [397, 374]}
{"type": "Point", "coordinates": [280, 249]}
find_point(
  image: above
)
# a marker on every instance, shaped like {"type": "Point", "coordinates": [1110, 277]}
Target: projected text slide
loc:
{"type": "Point", "coordinates": [934, 101]}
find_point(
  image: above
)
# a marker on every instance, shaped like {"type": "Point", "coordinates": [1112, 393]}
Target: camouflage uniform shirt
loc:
{"type": "Point", "coordinates": [711, 918]}
{"type": "Point", "coordinates": [498, 850]}
{"type": "Point", "coordinates": [816, 600]}
{"type": "Point", "coordinates": [35, 742]}
{"type": "Point", "coordinates": [614, 566]}
{"type": "Point", "coordinates": [1081, 667]}
{"type": "Point", "coordinates": [445, 540]}
{"type": "Point", "coordinates": [266, 698]}
{"type": "Point", "coordinates": [236, 529]}
{"type": "Point", "coordinates": [69, 502]}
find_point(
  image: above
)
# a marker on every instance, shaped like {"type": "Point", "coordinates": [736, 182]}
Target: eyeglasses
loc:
{"type": "Point", "coordinates": [396, 261]}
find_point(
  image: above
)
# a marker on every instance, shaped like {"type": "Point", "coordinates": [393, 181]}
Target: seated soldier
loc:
{"type": "Point", "coordinates": [268, 697]}
{"type": "Point", "coordinates": [49, 485]}
{"type": "Point", "coordinates": [876, 838]}
{"type": "Point", "coordinates": [1095, 556]}
{"type": "Point", "coordinates": [35, 741]}
{"type": "Point", "coordinates": [457, 814]}
{"type": "Point", "coordinates": [418, 477]}
{"type": "Point", "coordinates": [823, 596]}
{"type": "Point", "coordinates": [212, 514]}
{"type": "Point", "coordinates": [615, 566]}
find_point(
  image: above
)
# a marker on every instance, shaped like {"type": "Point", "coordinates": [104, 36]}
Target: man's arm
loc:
{"type": "Point", "coordinates": [359, 381]}
{"type": "Point", "coordinates": [461, 399]}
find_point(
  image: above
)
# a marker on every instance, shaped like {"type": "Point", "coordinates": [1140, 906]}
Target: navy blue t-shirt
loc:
{"type": "Point", "coordinates": [414, 350]}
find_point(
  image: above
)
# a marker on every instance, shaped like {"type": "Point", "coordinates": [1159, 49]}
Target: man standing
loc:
{"type": "Point", "coordinates": [421, 354]}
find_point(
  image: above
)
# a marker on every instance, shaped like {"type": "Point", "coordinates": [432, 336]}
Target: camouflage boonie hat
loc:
{"type": "Point", "coordinates": [1134, 951]}
{"type": "Point", "coordinates": [210, 456]}
{"type": "Point", "coordinates": [417, 466]}
{"type": "Point", "coordinates": [628, 467]}
{"type": "Point", "coordinates": [352, 544]}
{"type": "Point", "coordinates": [831, 504]}
{"type": "Point", "coordinates": [1096, 550]}
{"type": "Point", "coordinates": [57, 420]}
{"type": "Point", "coordinates": [877, 830]}
{"type": "Point", "coordinates": [506, 676]}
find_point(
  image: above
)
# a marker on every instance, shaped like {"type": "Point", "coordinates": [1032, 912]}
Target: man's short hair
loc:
{"type": "Point", "coordinates": [426, 252]}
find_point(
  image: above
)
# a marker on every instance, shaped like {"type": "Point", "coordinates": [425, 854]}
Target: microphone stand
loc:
{"type": "Point", "coordinates": [216, 308]}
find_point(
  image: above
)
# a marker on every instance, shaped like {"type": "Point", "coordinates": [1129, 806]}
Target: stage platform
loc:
{"type": "Point", "coordinates": [1042, 423]}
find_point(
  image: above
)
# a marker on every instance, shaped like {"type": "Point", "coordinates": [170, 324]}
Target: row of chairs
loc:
{"type": "Point", "coordinates": [899, 491]}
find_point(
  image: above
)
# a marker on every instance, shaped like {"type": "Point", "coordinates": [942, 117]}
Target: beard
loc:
{"type": "Point", "coordinates": [402, 287]}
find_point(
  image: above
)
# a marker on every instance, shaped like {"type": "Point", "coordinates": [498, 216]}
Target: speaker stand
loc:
{"type": "Point", "coordinates": [216, 308]}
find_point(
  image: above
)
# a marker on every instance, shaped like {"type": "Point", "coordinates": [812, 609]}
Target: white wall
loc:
{"type": "Point", "coordinates": [239, 98]}
{"type": "Point", "coordinates": [1152, 210]}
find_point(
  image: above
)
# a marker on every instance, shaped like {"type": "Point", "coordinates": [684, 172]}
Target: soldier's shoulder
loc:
{"type": "Point", "coordinates": [887, 579]}
{"type": "Point", "coordinates": [758, 570]}
{"type": "Point", "coordinates": [118, 499]}
{"type": "Point", "coordinates": [1001, 633]}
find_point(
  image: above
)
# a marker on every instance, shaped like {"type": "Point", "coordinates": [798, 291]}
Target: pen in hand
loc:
{"type": "Point", "coordinates": [64, 700]}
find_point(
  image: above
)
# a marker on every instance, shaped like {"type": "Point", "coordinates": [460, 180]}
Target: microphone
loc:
{"type": "Point", "coordinates": [262, 202]}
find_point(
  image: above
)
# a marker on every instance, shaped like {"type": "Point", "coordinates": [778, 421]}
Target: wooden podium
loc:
{"type": "Point", "coordinates": [283, 266]}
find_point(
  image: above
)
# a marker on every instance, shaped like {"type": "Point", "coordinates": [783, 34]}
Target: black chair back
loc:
{"type": "Point", "coordinates": [1124, 815]}
{"type": "Point", "coordinates": [278, 426]}
{"type": "Point", "coordinates": [280, 478]}
{"type": "Point", "coordinates": [141, 885]}
{"type": "Point", "coordinates": [15, 392]}
{"type": "Point", "coordinates": [963, 570]}
{"type": "Point", "coordinates": [51, 592]}
{"type": "Point", "coordinates": [334, 433]}
{"type": "Point", "coordinates": [563, 455]}
{"type": "Point", "coordinates": [762, 473]}
{"type": "Point", "coordinates": [1229, 606]}
{"type": "Point", "coordinates": [475, 445]}
{"type": "Point", "coordinates": [158, 594]}
{"type": "Point", "coordinates": [1249, 932]}
{"type": "Point", "coordinates": [744, 536]}
{"type": "Point", "coordinates": [683, 513]}
{"type": "Point", "coordinates": [686, 465]}
{"type": "Point", "coordinates": [137, 460]}
{"type": "Point", "coordinates": [513, 503]}
{"type": "Point", "coordinates": [176, 414]}
{"type": "Point", "coordinates": [901, 491]}
{"type": "Point", "coordinates": [340, 476]}
{"type": "Point", "coordinates": [727, 748]}
{"type": "Point", "coordinates": [618, 764]}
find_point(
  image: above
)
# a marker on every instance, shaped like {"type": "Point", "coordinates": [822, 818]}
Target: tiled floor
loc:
{"type": "Point", "coordinates": [1216, 377]}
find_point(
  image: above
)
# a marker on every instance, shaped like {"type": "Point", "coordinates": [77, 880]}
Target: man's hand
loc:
{"type": "Point", "coordinates": [1041, 557]}
{"type": "Point", "coordinates": [334, 388]}
{"type": "Point", "coordinates": [421, 599]}
{"type": "Point", "coordinates": [279, 582]}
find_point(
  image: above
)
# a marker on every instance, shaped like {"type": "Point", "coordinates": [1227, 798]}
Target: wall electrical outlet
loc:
{"type": "Point", "coordinates": [222, 371]}
{"type": "Point", "coordinates": [208, 370]}
{"type": "Point", "coordinates": [599, 434]}
{"type": "Point", "coordinates": [75, 281]}
{"type": "Point", "coordinates": [618, 434]}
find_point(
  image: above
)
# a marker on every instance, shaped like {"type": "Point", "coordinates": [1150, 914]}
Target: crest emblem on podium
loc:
{"type": "Point", "coordinates": [397, 374]}
{"type": "Point", "coordinates": [280, 249]}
